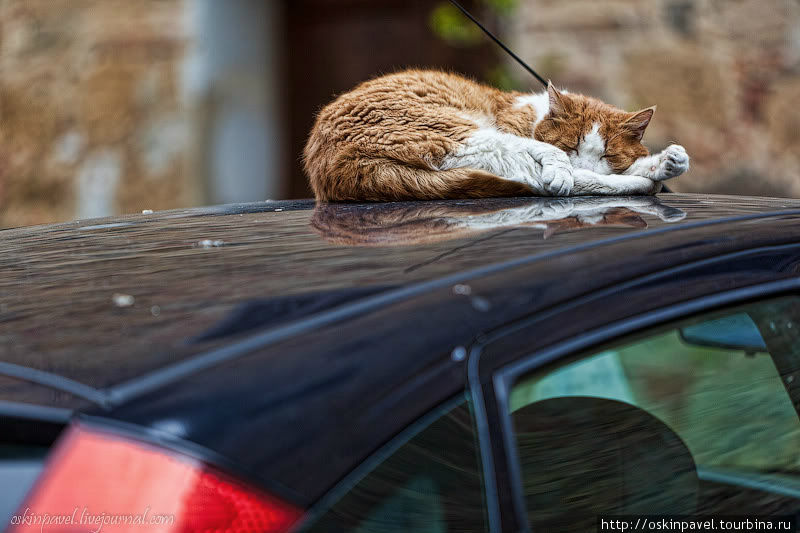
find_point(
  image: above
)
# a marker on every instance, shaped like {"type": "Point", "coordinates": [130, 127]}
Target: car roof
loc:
{"type": "Point", "coordinates": [103, 301]}
{"type": "Point", "coordinates": [371, 300]}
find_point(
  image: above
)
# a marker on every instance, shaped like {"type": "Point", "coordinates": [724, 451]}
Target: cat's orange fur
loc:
{"type": "Point", "coordinates": [386, 139]}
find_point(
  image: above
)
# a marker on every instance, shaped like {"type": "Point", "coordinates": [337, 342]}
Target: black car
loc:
{"type": "Point", "coordinates": [478, 365]}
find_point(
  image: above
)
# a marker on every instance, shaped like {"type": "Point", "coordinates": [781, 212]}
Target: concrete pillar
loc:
{"type": "Point", "coordinates": [232, 82]}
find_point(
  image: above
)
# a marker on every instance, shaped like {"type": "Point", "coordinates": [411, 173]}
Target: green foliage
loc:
{"type": "Point", "coordinates": [452, 26]}
{"type": "Point", "coordinates": [449, 24]}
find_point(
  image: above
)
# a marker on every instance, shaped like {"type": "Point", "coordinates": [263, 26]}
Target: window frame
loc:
{"type": "Point", "coordinates": [368, 465]}
{"type": "Point", "coordinates": [503, 378]}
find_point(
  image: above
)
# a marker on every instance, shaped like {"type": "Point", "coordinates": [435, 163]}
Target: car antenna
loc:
{"type": "Point", "coordinates": [499, 42]}
{"type": "Point", "coordinates": [516, 58]}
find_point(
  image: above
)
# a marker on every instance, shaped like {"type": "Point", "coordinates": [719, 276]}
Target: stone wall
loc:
{"type": "Point", "coordinates": [95, 118]}
{"type": "Point", "coordinates": [91, 119]}
{"type": "Point", "coordinates": [725, 75]}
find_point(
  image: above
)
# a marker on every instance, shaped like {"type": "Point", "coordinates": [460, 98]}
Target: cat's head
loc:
{"type": "Point", "coordinates": [597, 136]}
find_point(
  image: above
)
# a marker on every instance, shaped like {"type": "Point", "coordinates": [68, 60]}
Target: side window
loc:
{"type": "Point", "coordinates": [699, 417]}
{"type": "Point", "coordinates": [430, 484]}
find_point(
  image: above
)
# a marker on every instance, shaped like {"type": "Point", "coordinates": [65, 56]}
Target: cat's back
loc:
{"type": "Point", "coordinates": [411, 92]}
{"type": "Point", "coordinates": [374, 141]}
{"type": "Point", "coordinates": [431, 87]}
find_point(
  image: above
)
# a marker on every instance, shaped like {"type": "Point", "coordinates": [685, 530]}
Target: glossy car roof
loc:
{"type": "Point", "coordinates": [226, 326]}
{"type": "Point", "coordinates": [103, 301]}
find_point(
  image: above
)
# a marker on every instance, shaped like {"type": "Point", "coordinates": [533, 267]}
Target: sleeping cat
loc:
{"type": "Point", "coordinates": [427, 135]}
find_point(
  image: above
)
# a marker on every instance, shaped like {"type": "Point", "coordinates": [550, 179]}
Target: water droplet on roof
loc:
{"type": "Point", "coordinates": [462, 289]}
{"type": "Point", "coordinates": [459, 353]}
{"type": "Point", "coordinates": [208, 243]}
{"type": "Point", "coordinates": [123, 300]}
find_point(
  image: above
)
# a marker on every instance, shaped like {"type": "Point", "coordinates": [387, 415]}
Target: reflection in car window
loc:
{"type": "Point", "coordinates": [430, 484]}
{"type": "Point", "coordinates": [697, 417]}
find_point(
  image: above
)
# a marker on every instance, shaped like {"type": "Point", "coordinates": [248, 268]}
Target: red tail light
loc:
{"type": "Point", "coordinates": [96, 480]}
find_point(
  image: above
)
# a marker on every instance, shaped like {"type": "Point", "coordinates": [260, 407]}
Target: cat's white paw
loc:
{"type": "Point", "coordinates": [557, 176]}
{"type": "Point", "coordinates": [672, 162]}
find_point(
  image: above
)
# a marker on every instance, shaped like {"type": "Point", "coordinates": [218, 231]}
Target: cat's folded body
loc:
{"type": "Point", "coordinates": [430, 135]}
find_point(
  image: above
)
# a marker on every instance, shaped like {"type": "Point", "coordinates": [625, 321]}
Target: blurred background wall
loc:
{"type": "Point", "coordinates": [725, 75]}
{"type": "Point", "coordinates": [115, 106]}
{"type": "Point", "coordinates": [92, 119]}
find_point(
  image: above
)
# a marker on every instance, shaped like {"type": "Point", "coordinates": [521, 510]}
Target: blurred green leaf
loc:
{"type": "Point", "coordinates": [447, 22]}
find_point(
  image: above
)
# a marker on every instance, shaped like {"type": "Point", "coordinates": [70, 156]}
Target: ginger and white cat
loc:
{"type": "Point", "coordinates": [433, 135]}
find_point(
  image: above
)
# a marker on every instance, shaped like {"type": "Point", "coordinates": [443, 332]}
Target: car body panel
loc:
{"type": "Point", "coordinates": [304, 404]}
{"type": "Point", "coordinates": [331, 399]}
{"type": "Point", "coordinates": [143, 286]}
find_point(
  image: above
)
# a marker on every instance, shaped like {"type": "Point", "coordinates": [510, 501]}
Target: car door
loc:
{"type": "Point", "coordinates": [681, 405]}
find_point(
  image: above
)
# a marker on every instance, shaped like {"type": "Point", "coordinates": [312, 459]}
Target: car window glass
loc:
{"type": "Point", "coordinates": [430, 484]}
{"type": "Point", "coordinates": [696, 417]}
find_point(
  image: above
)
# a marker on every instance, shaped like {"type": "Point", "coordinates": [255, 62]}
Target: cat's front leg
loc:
{"type": "Point", "coordinates": [556, 177]}
{"type": "Point", "coordinates": [589, 183]}
{"type": "Point", "coordinates": [541, 166]}
{"type": "Point", "coordinates": [671, 162]}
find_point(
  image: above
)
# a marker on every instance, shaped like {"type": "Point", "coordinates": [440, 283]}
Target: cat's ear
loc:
{"type": "Point", "coordinates": [557, 102]}
{"type": "Point", "coordinates": [638, 122]}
